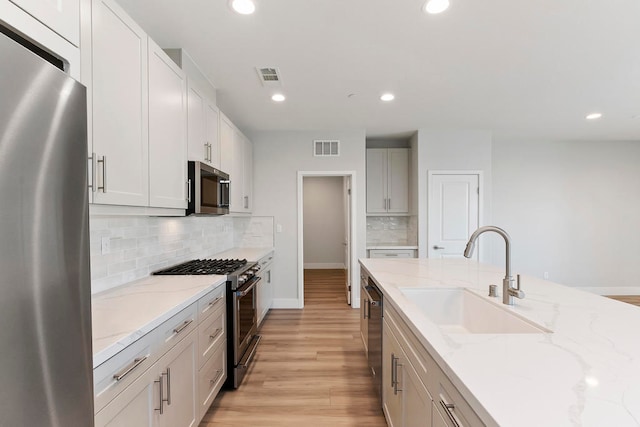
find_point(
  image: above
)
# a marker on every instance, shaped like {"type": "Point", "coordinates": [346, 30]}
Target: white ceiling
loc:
{"type": "Point", "coordinates": [520, 68]}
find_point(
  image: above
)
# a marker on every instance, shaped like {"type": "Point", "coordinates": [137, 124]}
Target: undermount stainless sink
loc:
{"type": "Point", "coordinates": [460, 311]}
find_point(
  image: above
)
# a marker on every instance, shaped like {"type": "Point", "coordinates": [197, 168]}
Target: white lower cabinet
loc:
{"type": "Point", "coordinates": [164, 395]}
{"type": "Point", "coordinates": [170, 377]}
{"type": "Point", "coordinates": [264, 290]}
{"type": "Point", "coordinates": [415, 391]}
{"type": "Point", "coordinates": [406, 401]}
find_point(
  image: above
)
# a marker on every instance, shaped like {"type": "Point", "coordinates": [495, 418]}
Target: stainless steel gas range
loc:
{"type": "Point", "coordinates": [242, 337]}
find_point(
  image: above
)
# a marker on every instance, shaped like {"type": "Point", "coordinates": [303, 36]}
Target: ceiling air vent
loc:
{"type": "Point", "coordinates": [325, 147]}
{"type": "Point", "coordinates": [269, 76]}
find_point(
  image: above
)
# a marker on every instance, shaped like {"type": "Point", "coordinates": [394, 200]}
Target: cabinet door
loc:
{"type": "Point", "coordinates": [136, 406]}
{"type": "Point", "coordinates": [416, 399]}
{"type": "Point", "coordinates": [391, 381]}
{"type": "Point", "coordinates": [237, 173]}
{"type": "Point", "coordinates": [62, 16]}
{"type": "Point", "coordinates": [211, 121]}
{"type": "Point", "coordinates": [179, 376]}
{"type": "Point", "coordinates": [264, 294]}
{"type": "Point", "coordinates": [198, 146]}
{"type": "Point", "coordinates": [376, 180]}
{"type": "Point", "coordinates": [120, 106]}
{"type": "Point", "coordinates": [398, 180]}
{"type": "Point", "coordinates": [226, 145]}
{"type": "Point", "coordinates": [438, 419]}
{"type": "Point", "coordinates": [248, 175]}
{"type": "Point", "coordinates": [167, 131]}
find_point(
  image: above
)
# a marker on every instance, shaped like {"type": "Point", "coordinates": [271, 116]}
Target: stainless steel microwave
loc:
{"type": "Point", "coordinates": [208, 190]}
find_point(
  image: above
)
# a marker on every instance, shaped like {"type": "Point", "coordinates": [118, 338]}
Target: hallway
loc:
{"type": "Point", "coordinates": [310, 369]}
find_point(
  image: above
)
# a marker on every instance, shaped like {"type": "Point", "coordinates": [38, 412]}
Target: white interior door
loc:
{"type": "Point", "coordinates": [454, 208]}
{"type": "Point", "coordinates": [347, 235]}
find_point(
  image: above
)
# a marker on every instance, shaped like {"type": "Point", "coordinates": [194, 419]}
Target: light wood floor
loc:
{"type": "Point", "coordinates": [631, 299]}
{"type": "Point", "coordinates": [310, 368]}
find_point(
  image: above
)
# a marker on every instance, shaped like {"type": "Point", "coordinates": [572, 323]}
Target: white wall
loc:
{"type": "Point", "coordinates": [324, 222]}
{"type": "Point", "coordinates": [278, 156]}
{"type": "Point", "coordinates": [572, 209]}
{"type": "Point", "coordinates": [453, 150]}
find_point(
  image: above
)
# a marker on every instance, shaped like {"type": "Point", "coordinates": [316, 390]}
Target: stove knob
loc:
{"type": "Point", "coordinates": [242, 279]}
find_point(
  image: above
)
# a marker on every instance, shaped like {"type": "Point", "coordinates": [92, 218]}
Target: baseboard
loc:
{"type": "Point", "coordinates": [612, 290]}
{"type": "Point", "coordinates": [324, 265]}
{"type": "Point", "coordinates": [286, 303]}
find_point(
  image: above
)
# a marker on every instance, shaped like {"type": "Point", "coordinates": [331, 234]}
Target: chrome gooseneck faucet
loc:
{"type": "Point", "coordinates": [508, 290]}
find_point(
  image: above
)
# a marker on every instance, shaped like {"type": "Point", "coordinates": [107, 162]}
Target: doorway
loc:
{"type": "Point", "coordinates": [454, 211]}
{"type": "Point", "coordinates": [326, 226]}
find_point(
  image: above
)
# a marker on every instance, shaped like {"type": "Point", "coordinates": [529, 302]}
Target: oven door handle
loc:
{"type": "Point", "coordinates": [244, 292]}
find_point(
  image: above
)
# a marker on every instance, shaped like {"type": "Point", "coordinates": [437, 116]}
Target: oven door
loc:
{"type": "Point", "coordinates": [245, 317]}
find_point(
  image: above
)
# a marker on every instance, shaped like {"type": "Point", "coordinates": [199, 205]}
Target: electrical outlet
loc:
{"type": "Point", "coordinates": [279, 228]}
{"type": "Point", "coordinates": [105, 245]}
{"type": "Point", "coordinates": [546, 275]}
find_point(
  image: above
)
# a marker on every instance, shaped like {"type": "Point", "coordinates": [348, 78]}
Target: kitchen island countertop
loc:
{"type": "Point", "coordinates": [585, 373]}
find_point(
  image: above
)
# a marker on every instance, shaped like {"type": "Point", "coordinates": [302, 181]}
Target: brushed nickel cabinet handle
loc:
{"type": "Point", "coordinates": [168, 375]}
{"type": "Point", "coordinates": [159, 381]}
{"type": "Point", "coordinates": [448, 409]}
{"type": "Point", "coordinates": [183, 326]}
{"type": "Point", "coordinates": [215, 301]}
{"type": "Point", "coordinates": [104, 174]}
{"type": "Point", "coordinates": [189, 190]}
{"type": "Point", "coordinates": [126, 371]}
{"type": "Point", "coordinates": [216, 334]}
{"type": "Point", "coordinates": [217, 377]}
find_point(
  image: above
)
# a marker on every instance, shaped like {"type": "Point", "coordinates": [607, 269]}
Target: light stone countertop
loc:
{"type": "Point", "coordinates": [585, 373]}
{"type": "Point", "coordinates": [122, 315]}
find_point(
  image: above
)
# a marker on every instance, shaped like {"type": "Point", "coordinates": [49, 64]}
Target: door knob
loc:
{"type": "Point", "coordinates": [437, 247]}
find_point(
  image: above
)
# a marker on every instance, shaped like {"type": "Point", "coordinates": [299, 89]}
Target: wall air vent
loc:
{"type": "Point", "coordinates": [326, 148]}
{"type": "Point", "coordinates": [269, 76]}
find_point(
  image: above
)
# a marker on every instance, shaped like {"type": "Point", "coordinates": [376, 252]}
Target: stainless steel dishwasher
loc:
{"type": "Point", "coordinates": [374, 316]}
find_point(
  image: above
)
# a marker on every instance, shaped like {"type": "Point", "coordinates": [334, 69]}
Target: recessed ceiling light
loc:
{"type": "Point", "coordinates": [593, 116]}
{"type": "Point", "coordinates": [243, 7]}
{"type": "Point", "coordinates": [387, 97]}
{"type": "Point", "coordinates": [278, 97]}
{"type": "Point", "coordinates": [436, 6]}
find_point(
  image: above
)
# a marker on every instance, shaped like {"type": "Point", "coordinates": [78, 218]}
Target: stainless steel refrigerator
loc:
{"type": "Point", "coordinates": [45, 295]}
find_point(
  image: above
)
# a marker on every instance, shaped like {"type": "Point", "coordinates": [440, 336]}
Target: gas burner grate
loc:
{"type": "Point", "coordinates": [204, 266]}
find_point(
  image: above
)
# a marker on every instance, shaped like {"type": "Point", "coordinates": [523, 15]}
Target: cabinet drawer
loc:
{"type": "Point", "coordinates": [133, 360]}
{"type": "Point", "coordinates": [453, 406]}
{"type": "Point", "coordinates": [392, 253]}
{"type": "Point", "coordinates": [211, 302]}
{"type": "Point", "coordinates": [210, 378]}
{"type": "Point", "coordinates": [211, 335]}
{"type": "Point", "coordinates": [176, 328]}
{"type": "Point", "coordinates": [118, 372]}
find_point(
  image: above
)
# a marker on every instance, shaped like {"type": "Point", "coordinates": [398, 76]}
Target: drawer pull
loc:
{"type": "Point", "coordinates": [183, 326]}
{"type": "Point", "coordinates": [216, 334]}
{"type": "Point", "coordinates": [218, 375]}
{"type": "Point", "coordinates": [448, 408]}
{"type": "Point", "coordinates": [136, 362]}
{"type": "Point", "coordinates": [215, 301]}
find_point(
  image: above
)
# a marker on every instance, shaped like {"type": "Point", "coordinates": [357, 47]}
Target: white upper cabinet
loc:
{"type": "Point", "coordinates": [119, 107]}
{"type": "Point", "coordinates": [62, 16]}
{"type": "Point", "coordinates": [388, 181]}
{"type": "Point", "coordinates": [204, 141]}
{"type": "Point", "coordinates": [226, 145]}
{"type": "Point", "coordinates": [248, 175]}
{"type": "Point", "coordinates": [236, 159]}
{"type": "Point", "coordinates": [211, 126]}
{"type": "Point", "coordinates": [167, 131]}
